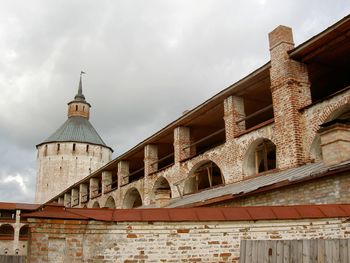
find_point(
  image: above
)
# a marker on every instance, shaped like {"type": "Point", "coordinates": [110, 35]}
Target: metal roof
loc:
{"type": "Point", "coordinates": [250, 185]}
{"type": "Point", "coordinates": [18, 206]}
{"type": "Point", "coordinates": [195, 214]}
{"type": "Point", "coordinates": [76, 129]}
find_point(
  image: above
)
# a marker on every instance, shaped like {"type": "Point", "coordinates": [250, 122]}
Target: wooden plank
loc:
{"type": "Point", "coordinates": [328, 251]}
{"type": "Point", "coordinates": [279, 251]}
{"type": "Point", "coordinates": [294, 251]}
{"type": "Point", "coordinates": [273, 253]}
{"type": "Point", "coordinates": [286, 251]}
{"type": "Point", "coordinates": [321, 251]}
{"type": "Point", "coordinates": [343, 250]}
{"type": "Point", "coordinates": [306, 253]}
{"type": "Point", "coordinates": [248, 251]}
{"type": "Point", "coordinates": [335, 250]}
{"type": "Point", "coordinates": [313, 251]}
{"type": "Point", "coordinates": [242, 251]}
{"type": "Point", "coordinates": [262, 251]}
{"type": "Point", "coordinates": [255, 252]}
{"type": "Point", "coordinates": [299, 250]}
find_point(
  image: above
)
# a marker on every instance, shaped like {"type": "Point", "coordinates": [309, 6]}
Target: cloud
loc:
{"type": "Point", "coordinates": [17, 187]}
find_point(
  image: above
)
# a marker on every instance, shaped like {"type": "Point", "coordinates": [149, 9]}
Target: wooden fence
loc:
{"type": "Point", "coordinates": [298, 251]}
{"type": "Point", "coordinates": [13, 259]}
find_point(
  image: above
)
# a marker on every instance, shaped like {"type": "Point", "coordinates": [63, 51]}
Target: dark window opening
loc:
{"type": "Point", "coordinates": [7, 232]}
{"type": "Point", "coordinates": [136, 174]}
{"type": "Point", "coordinates": [85, 196]}
{"type": "Point", "coordinates": [87, 148]}
{"type": "Point", "coordinates": [327, 81]}
{"type": "Point", "coordinates": [265, 156]}
{"type": "Point", "coordinates": [45, 150]}
{"type": "Point", "coordinates": [256, 99]}
{"type": "Point", "coordinates": [209, 141]}
{"type": "Point", "coordinates": [73, 147]}
{"type": "Point", "coordinates": [114, 184]}
{"type": "Point", "coordinates": [23, 232]}
{"type": "Point", "coordinates": [136, 167]}
{"type": "Point", "coordinates": [58, 147]}
{"type": "Point", "coordinates": [6, 214]}
{"type": "Point", "coordinates": [97, 190]}
{"type": "Point", "coordinates": [76, 107]}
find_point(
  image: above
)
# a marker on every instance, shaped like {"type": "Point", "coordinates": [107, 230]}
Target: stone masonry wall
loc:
{"type": "Point", "coordinates": [58, 169]}
{"type": "Point", "coordinates": [82, 241]}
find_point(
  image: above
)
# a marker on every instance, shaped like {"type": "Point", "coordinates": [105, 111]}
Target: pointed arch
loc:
{"type": "Point", "coordinates": [260, 157]}
{"type": "Point", "coordinates": [110, 203]}
{"type": "Point", "coordinates": [204, 175]}
{"type": "Point", "coordinates": [132, 198]}
{"type": "Point", "coordinates": [96, 205]}
{"type": "Point", "coordinates": [161, 192]}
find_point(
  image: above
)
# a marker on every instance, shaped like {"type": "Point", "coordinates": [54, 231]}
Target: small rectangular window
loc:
{"type": "Point", "coordinates": [73, 147]}
{"type": "Point", "coordinates": [58, 147]}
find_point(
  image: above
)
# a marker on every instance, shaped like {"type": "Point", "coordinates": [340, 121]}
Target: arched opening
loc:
{"type": "Point", "coordinates": [132, 199]}
{"type": "Point", "coordinates": [161, 192]}
{"type": "Point", "coordinates": [315, 149]}
{"type": "Point", "coordinates": [110, 203]}
{"type": "Point", "coordinates": [23, 232]}
{"type": "Point", "coordinates": [205, 176]}
{"type": "Point", "coordinates": [96, 205]}
{"type": "Point", "coordinates": [7, 232]}
{"type": "Point", "coordinates": [260, 157]}
{"type": "Point", "coordinates": [342, 114]}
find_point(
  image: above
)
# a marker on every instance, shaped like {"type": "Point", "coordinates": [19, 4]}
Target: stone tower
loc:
{"type": "Point", "coordinates": [72, 152]}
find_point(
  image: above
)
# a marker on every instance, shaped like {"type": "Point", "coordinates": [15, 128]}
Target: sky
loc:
{"type": "Point", "coordinates": [146, 63]}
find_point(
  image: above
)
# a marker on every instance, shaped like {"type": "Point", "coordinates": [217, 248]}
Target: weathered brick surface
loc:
{"type": "Point", "coordinates": [167, 241]}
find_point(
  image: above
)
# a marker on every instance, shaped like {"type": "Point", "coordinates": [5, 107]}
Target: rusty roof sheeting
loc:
{"type": "Point", "coordinates": [18, 206]}
{"type": "Point", "coordinates": [250, 213]}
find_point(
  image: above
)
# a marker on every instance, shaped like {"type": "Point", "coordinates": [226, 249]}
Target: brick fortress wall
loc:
{"type": "Point", "coordinates": [83, 241]}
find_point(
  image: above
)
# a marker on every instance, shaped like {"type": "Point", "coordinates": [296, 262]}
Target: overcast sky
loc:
{"type": "Point", "coordinates": [146, 62]}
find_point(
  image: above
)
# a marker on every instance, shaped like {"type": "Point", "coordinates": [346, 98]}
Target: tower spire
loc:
{"type": "Point", "coordinates": [80, 96]}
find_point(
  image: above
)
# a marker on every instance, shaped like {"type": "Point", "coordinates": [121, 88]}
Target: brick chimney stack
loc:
{"type": "Point", "coordinates": [290, 90]}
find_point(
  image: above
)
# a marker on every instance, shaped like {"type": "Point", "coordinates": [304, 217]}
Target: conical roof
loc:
{"type": "Point", "coordinates": [76, 129]}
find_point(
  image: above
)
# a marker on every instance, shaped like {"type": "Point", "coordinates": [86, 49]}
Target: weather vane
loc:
{"type": "Point", "coordinates": [82, 72]}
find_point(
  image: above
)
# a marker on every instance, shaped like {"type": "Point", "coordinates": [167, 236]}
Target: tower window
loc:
{"type": "Point", "coordinates": [76, 107]}
{"type": "Point", "coordinates": [83, 108]}
{"type": "Point", "coordinates": [58, 146]}
{"type": "Point", "coordinates": [73, 147]}
{"type": "Point", "coordinates": [87, 148]}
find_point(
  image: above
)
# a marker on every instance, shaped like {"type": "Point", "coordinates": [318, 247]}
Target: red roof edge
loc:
{"type": "Point", "coordinates": [196, 214]}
